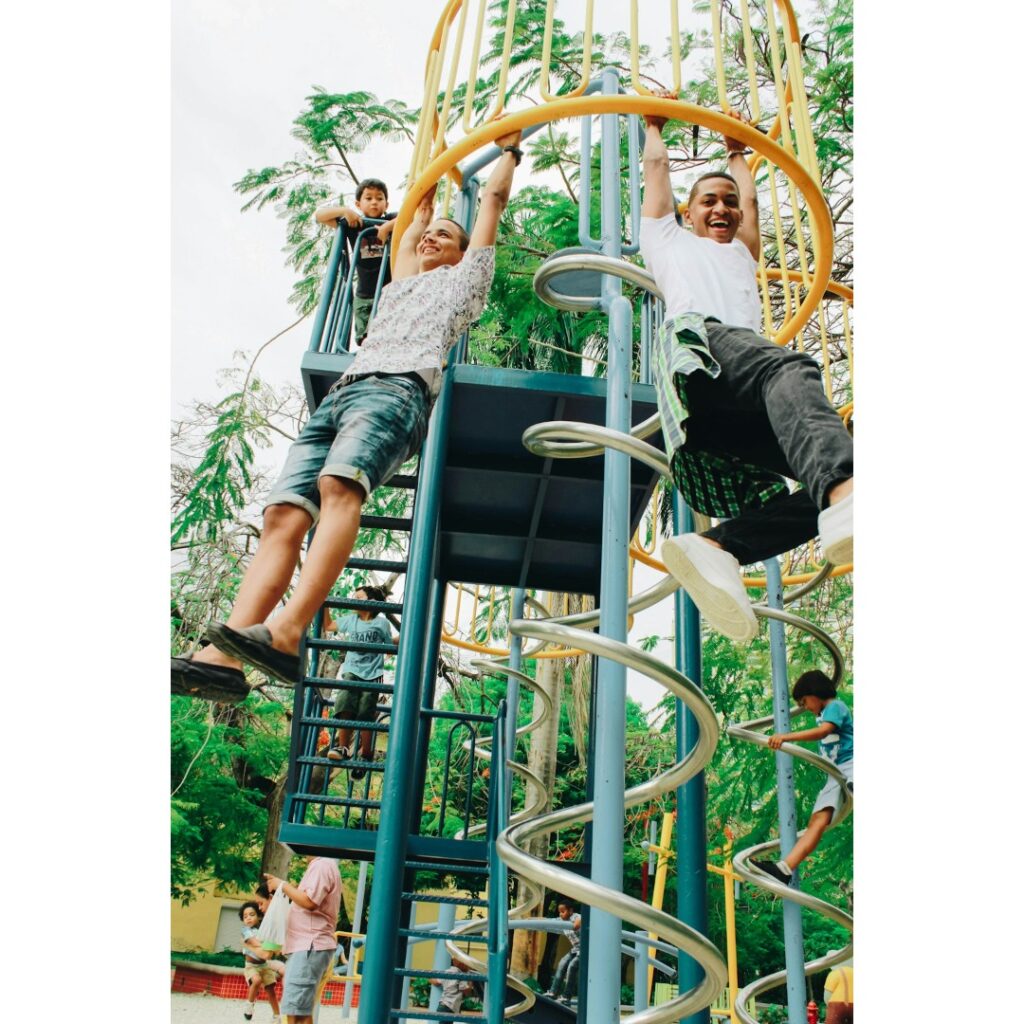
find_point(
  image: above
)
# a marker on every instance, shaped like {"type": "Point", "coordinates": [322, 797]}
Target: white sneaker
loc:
{"type": "Point", "coordinates": [835, 528]}
{"type": "Point", "coordinates": [712, 578]}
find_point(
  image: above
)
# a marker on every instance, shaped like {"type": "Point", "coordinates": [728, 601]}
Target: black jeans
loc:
{"type": "Point", "coordinates": [767, 408]}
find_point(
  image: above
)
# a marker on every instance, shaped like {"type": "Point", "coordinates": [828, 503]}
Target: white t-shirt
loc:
{"type": "Point", "coordinates": [698, 275]}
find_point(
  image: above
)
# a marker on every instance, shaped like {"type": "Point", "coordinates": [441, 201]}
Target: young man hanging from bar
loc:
{"type": "Point", "coordinates": [374, 418]}
{"type": "Point", "coordinates": [738, 412]}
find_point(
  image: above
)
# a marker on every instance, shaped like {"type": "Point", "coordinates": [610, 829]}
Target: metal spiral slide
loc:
{"type": "Point", "coordinates": [582, 440]}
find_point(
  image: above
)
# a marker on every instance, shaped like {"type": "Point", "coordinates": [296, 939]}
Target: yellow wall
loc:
{"type": "Point", "coordinates": [194, 928]}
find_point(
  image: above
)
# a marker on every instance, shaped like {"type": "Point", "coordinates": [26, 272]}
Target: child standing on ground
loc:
{"type": "Point", "coordinates": [815, 692]}
{"type": "Point", "coordinates": [565, 974]}
{"type": "Point", "coordinates": [362, 626]}
{"type": "Point", "coordinates": [258, 972]}
{"type": "Point", "coordinates": [371, 201]}
{"type": "Point", "coordinates": [453, 991]}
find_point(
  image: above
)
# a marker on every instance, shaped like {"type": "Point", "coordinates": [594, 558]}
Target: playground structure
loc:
{"type": "Point", "coordinates": [547, 496]}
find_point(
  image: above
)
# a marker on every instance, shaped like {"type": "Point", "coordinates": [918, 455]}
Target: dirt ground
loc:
{"type": "Point", "coordinates": [200, 1008]}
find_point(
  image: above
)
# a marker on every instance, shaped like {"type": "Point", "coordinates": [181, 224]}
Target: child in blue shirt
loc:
{"type": "Point", "coordinates": [362, 626]}
{"type": "Point", "coordinates": [815, 692]}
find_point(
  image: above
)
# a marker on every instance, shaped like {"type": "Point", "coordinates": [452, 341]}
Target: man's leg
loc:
{"type": "Point", "coordinates": [761, 379]}
{"type": "Point", "coordinates": [268, 575]}
{"type": "Point", "coordinates": [767, 409]}
{"type": "Point", "coordinates": [340, 504]}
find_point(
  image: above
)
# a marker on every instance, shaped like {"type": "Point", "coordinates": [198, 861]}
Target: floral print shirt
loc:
{"type": "Point", "coordinates": [420, 318]}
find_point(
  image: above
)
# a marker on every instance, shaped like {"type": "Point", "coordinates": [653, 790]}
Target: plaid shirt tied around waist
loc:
{"type": "Point", "coordinates": [715, 485]}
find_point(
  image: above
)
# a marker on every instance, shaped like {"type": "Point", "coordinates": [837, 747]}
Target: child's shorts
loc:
{"type": "Point", "coordinates": [362, 431]}
{"type": "Point", "coordinates": [267, 975]}
{"type": "Point", "coordinates": [357, 705]}
{"type": "Point", "coordinates": [831, 796]}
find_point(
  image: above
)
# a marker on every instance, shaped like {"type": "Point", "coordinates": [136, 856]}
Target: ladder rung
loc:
{"type": "Point", "coordinates": [377, 564]}
{"type": "Point", "coordinates": [421, 933]}
{"type": "Point", "coordinates": [427, 1015]}
{"type": "Point", "coordinates": [410, 972]}
{"type": "Point", "coordinates": [406, 480]}
{"type": "Point", "coordinates": [350, 645]}
{"type": "Point", "coordinates": [462, 901]}
{"type": "Point", "coordinates": [354, 604]}
{"type": "Point", "coordinates": [426, 865]}
{"type": "Point", "coordinates": [325, 683]}
{"type": "Point", "coordinates": [385, 523]}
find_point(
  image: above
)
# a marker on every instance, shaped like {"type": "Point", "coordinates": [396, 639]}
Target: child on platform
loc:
{"type": "Point", "coordinates": [371, 201]}
{"type": "Point", "coordinates": [815, 692]}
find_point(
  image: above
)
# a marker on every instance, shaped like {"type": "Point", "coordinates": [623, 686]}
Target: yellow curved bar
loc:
{"type": "Point", "coordinates": [580, 106]}
{"type": "Point", "coordinates": [510, 24]}
{"type": "Point", "coordinates": [716, 34]}
{"type": "Point", "coordinates": [474, 67]}
{"type": "Point", "coordinates": [453, 70]}
{"type": "Point", "coordinates": [545, 60]}
{"type": "Point", "coordinates": [748, 53]}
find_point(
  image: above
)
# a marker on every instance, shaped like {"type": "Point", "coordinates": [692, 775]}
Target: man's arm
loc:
{"type": "Point", "coordinates": [406, 263]}
{"type": "Point", "coordinates": [749, 232]}
{"type": "Point", "coordinates": [293, 892]}
{"type": "Point", "coordinates": [658, 200]}
{"type": "Point", "coordinates": [495, 197]}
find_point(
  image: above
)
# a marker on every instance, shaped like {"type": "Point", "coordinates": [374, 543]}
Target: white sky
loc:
{"type": "Point", "coordinates": [87, 278]}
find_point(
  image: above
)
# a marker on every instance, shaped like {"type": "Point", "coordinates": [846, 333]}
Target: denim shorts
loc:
{"type": "Point", "coordinates": [363, 431]}
{"type": "Point", "coordinates": [301, 977]}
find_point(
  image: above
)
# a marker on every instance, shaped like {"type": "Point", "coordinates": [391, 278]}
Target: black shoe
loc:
{"type": "Point", "coordinates": [211, 682]}
{"type": "Point", "coordinates": [769, 867]}
{"type": "Point", "coordinates": [253, 645]}
{"type": "Point", "coordinates": [339, 754]}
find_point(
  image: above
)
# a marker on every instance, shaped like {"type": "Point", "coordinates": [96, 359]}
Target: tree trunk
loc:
{"type": "Point", "coordinates": [527, 947]}
{"type": "Point", "coordinates": [276, 857]}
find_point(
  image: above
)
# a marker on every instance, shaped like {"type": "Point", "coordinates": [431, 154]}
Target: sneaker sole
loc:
{"type": "Point", "coordinates": [716, 605]}
{"type": "Point", "coordinates": [841, 552]}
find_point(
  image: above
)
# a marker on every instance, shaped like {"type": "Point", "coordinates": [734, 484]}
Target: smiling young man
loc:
{"type": "Point", "coordinates": [738, 412]}
{"type": "Point", "coordinates": [372, 420]}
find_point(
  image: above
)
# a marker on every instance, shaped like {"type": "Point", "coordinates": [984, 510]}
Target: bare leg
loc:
{"type": "Point", "coordinates": [271, 991]}
{"type": "Point", "coordinates": [254, 990]}
{"type": "Point", "coordinates": [365, 744]}
{"type": "Point", "coordinates": [810, 839]}
{"type": "Point", "coordinates": [840, 491]}
{"type": "Point", "coordinates": [340, 505]}
{"type": "Point", "coordinates": [268, 575]}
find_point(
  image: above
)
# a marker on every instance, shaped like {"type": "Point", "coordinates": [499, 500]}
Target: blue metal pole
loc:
{"type": "Point", "coordinates": [515, 661]}
{"type": "Point", "coordinates": [792, 923]}
{"type": "Point", "coordinates": [609, 725]}
{"type": "Point", "coordinates": [442, 960]}
{"type": "Point", "coordinates": [691, 802]}
{"type": "Point", "coordinates": [398, 787]}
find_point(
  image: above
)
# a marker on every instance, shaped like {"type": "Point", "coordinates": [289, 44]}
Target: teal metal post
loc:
{"type": "Point", "coordinates": [691, 798]}
{"type": "Point", "coordinates": [515, 661]}
{"type": "Point", "coordinates": [792, 923]}
{"type": "Point", "coordinates": [497, 924]}
{"type": "Point", "coordinates": [609, 725]}
{"type": "Point", "coordinates": [399, 787]}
